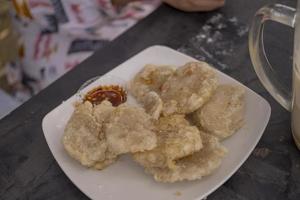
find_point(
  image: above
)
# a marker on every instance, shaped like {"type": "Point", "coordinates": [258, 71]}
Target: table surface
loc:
{"type": "Point", "coordinates": [29, 171]}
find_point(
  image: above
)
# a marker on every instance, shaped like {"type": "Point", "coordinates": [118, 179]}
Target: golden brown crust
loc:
{"type": "Point", "coordinates": [150, 78]}
{"type": "Point", "coordinates": [129, 129]}
{"type": "Point", "coordinates": [188, 88]}
{"type": "Point", "coordinates": [83, 136]}
{"type": "Point", "coordinates": [175, 139]}
{"type": "Point", "coordinates": [224, 114]}
{"type": "Point", "coordinates": [195, 166]}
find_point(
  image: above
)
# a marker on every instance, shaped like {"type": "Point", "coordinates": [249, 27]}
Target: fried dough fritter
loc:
{"type": "Point", "coordinates": [188, 88]}
{"type": "Point", "coordinates": [153, 104]}
{"type": "Point", "coordinates": [96, 135]}
{"type": "Point", "coordinates": [101, 113]}
{"type": "Point", "coordinates": [82, 137]}
{"type": "Point", "coordinates": [195, 166]}
{"type": "Point", "coordinates": [176, 139]}
{"type": "Point", "coordinates": [150, 78]}
{"type": "Point", "coordinates": [105, 163]}
{"type": "Point", "coordinates": [224, 114]}
{"type": "Point", "coordinates": [159, 136]}
{"type": "Point", "coordinates": [129, 129]}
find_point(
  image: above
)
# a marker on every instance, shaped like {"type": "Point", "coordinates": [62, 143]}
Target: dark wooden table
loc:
{"type": "Point", "coordinates": [29, 171]}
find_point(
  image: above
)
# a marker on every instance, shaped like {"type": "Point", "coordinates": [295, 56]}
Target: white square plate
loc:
{"type": "Point", "coordinates": [125, 179]}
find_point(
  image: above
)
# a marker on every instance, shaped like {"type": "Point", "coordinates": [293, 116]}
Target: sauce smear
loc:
{"type": "Point", "coordinates": [112, 93]}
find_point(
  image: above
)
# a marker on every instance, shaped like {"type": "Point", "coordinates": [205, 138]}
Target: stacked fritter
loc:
{"type": "Point", "coordinates": [97, 134]}
{"type": "Point", "coordinates": [176, 133]}
{"type": "Point", "coordinates": [194, 113]}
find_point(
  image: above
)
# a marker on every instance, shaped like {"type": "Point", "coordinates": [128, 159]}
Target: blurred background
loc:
{"type": "Point", "coordinates": [41, 40]}
{"type": "Point", "coordinates": [8, 52]}
{"type": "Point", "coordinates": [280, 40]}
